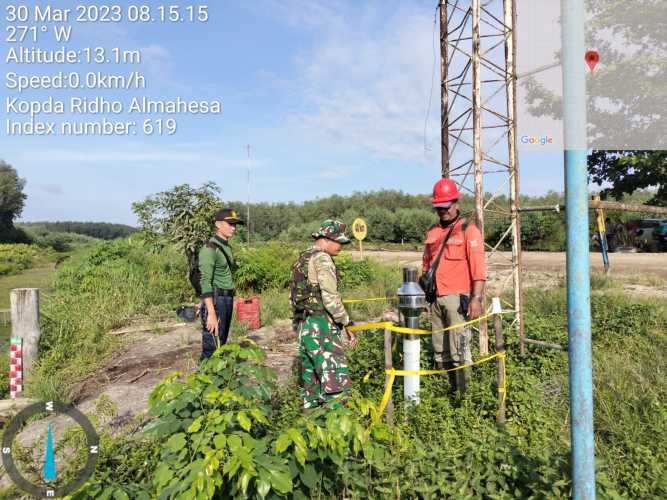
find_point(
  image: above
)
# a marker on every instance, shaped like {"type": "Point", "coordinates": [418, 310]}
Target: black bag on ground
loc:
{"type": "Point", "coordinates": [427, 279]}
{"type": "Point", "coordinates": [187, 313]}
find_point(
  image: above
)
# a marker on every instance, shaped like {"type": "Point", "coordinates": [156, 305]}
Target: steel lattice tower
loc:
{"type": "Point", "coordinates": [478, 140]}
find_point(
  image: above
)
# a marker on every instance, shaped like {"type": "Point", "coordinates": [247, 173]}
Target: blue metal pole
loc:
{"type": "Point", "coordinates": [578, 279]}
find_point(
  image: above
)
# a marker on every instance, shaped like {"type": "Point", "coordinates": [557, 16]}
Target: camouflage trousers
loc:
{"type": "Point", "coordinates": [324, 374]}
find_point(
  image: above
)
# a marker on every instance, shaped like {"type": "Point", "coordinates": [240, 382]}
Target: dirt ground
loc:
{"type": "Point", "coordinates": [637, 273]}
{"type": "Point", "coordinates": [620, 263]}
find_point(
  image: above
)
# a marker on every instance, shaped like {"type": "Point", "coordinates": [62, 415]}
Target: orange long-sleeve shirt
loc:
{"type": "Point", "coordinates": [462, 261]}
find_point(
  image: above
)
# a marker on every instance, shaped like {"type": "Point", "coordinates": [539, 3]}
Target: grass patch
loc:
{"type": "Point", "coordinates": [601, 281]}
{"type": "Point", "coordinates": [274, 305]}
{"type": "Point", "coordinates": [652, 280]}
{"type": "Point", "coordinates": [93, 293]}
{"type": "Point", "coordinates": [15, 258]}
{"type": "Point", "coordinates": [40, 277]}
{"type": "Point", "coordinates": [447, 447]}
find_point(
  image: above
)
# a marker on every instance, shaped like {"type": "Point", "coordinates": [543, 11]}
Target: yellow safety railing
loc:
{"type": "Point", "coordinates": [373, 299]}
{"type": "Point", "coordinates": [388, 325]}
{"type": "Point", "coordinates": [393, 373]}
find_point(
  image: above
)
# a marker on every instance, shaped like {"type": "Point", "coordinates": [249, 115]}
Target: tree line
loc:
{"type": "Point", "coordinates": [396, 217]}
{"type": "Point", "coordinates": [392, 216]}
{"type": "Point", "coordinates": [99, 230]}
{"type": "Point", "coordinates": [182, 216]}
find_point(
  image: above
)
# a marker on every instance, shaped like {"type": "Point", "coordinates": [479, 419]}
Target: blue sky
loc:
{"type": "Point", "coordinates": [331, 96]}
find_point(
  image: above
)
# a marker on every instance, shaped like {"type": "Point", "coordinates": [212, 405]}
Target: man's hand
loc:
{"type": "Point", "coordinates": [352, 336]}
{"type": "Point", "coordinates": [474, 308]}
{"type": "Point", "coordinates": [212, 323]}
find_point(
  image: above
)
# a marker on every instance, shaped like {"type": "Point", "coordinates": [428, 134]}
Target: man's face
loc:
{"type": "Point", "coordinates": [334, 248]}
{"type": "Point", "coordinates": [448, 214]}
{"type": "Point", "coordinates": [331, 247]}
{"type": "Point", "coordinates": [225, 229]}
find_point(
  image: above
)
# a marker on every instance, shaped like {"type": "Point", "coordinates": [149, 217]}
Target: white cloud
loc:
{"type": "Point", "coordinates": [132, 155]}
{"type": "Point", "coordinates": [308, 14]}
{"type": "Point", "coordinates": [158, 63]}
{"type": "Point", "coordinates": [365, 81]}
{"type": "Point", "coordinates": [155, 51]}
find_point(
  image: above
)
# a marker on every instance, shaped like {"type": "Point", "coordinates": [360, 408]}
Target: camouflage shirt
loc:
{"type": "Point", "coordinates": [322, 271]}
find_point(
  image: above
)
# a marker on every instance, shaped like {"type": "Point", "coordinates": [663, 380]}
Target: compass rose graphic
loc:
{"type": "Point", "coordinates": [49, 471]}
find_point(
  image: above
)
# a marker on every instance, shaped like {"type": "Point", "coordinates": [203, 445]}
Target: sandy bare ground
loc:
{"type": "Point", "coordinates": [643, 274]}
{"type": "Point", "coordinates": [621, 263]}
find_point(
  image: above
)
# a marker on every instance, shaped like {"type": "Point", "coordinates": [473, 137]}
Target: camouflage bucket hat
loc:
{"type": "Point", "coordinates": [333, 230]}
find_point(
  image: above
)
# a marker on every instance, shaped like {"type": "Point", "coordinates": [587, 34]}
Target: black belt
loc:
{"type": "Point", "coordinates": [224, 292]}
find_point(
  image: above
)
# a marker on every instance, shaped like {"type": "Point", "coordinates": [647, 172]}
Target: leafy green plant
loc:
{"type": "Point", "coordinates": [18, 257]}
{"type": "Point", "coordinates": [181, 216]}
{"type": "Point", "coordinates": [264, 267]}
{"type": "Point", "coordinates": [217, 439]}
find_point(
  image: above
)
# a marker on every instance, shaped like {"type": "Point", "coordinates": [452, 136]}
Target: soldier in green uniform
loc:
{"type": "Point", "coordinates": [319, 318]}
{"type": "Point", "coordinates": [216, 267]}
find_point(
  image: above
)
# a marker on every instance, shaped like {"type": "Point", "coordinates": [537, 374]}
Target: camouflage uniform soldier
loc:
{"type": "Point", "coordinates": [319, 318]}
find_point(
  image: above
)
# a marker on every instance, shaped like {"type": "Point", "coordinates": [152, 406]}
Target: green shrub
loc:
{"type": "Point", "coordinates": [227, 432]}
{"type": "Point", "coordinates": [101, 289]}
{"type": "Point", "coordinates": [265, 267]}
{"type": "Point", "coordinates": [543, 231]}
{"type": "Point", "coordinates": [217, 439]}
{"type": "Point", "coordinates": [269, 266]}
{"type": "Point", "coordinates": [15, 258]}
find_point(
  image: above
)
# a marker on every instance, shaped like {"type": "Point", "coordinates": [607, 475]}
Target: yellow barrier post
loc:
{"type": "Point", "coordinates": [388, 365]}
{"type": "Point", "coordinates": [359, 230]}
{"type": "Point", "coordinates": [500, 347]}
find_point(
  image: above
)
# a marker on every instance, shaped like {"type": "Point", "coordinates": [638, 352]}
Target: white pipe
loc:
{"type": "Point", "coordinates": [411, 345]}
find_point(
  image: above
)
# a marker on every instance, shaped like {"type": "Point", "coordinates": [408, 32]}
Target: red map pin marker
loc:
{"type": "Point", "coordinates": [592, 58]}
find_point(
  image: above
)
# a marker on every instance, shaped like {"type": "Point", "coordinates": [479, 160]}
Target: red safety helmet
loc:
{"type": "Point", "coordinates": [445, 193]}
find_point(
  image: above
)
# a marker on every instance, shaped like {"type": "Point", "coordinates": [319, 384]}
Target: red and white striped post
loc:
{"type": "Point", "coordinates": [16, 367]}
{"type": "Point", "coordinates": [24, 346]}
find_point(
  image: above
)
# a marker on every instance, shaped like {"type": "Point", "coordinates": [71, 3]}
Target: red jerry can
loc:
{"type": "Point", "coordinates": [247, 311]}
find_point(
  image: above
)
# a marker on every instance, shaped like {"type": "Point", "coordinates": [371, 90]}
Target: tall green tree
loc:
{"type": "Point", "coordinates": [629, 171]}
{"type": "Point", "coordinates": [181, 216]}
{"type": "Point", "coordinates": [12, 200]}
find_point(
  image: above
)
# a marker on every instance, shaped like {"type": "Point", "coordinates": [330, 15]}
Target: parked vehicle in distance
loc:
{"type": "Point", "coordinates": [644, 232]}
{"type": "Point", "coordinates": [660, 236]}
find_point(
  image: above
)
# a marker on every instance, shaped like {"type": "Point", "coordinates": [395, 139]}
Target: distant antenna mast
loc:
{"type": "Point", "coordinates": [248, 204]}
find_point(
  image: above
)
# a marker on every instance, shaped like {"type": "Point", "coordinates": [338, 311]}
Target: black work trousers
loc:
{"type": "Point", "coordinates": [224, 306]}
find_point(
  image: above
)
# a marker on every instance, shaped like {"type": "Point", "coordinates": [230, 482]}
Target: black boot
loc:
{"type": "Point", "coordinates": [452, 377]}
{"type": "Point", "coordinates": [462, 380]}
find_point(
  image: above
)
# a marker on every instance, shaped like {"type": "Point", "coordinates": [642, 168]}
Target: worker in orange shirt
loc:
{"type": "Point", "coordinates": [460, 278]}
